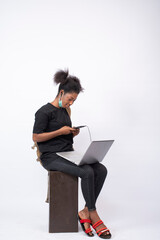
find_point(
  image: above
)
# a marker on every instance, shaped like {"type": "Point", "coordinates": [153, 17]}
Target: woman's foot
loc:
{"type": "Point", "coordinates": [84, 214]}
{"type": "Point", "coordinates": [95, 218]}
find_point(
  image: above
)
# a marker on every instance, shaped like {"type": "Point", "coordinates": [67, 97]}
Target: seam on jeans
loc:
{"type": "Point", "coordinates": [89, 194]}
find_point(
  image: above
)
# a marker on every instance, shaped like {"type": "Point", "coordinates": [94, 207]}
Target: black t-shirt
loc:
{"type": "Point", "coordinates": [47, 119]}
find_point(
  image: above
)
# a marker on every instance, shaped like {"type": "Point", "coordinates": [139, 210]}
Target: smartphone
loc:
{"type": "Point", "coordinates": [80, 127]}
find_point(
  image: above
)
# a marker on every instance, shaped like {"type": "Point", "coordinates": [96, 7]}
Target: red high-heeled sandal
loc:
{"type": "Point", "coordinates": [102, 230]}
{"type": "Point", "coordinates": [88, 230]}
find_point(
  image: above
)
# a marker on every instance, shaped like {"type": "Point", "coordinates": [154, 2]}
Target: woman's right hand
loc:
{"type": "Point", "coordinates": [66, 130]}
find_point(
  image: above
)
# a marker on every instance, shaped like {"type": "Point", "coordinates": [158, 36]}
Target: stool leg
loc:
{"type": "Point", "coordinates": [63, 202]}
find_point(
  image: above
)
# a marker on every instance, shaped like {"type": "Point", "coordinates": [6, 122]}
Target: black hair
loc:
{"type": "Point", "coordinates": [67, 82]}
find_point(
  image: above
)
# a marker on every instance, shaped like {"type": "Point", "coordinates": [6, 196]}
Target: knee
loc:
{"type": "Point", "coordinates": [102, 170]}
{"type": "Point", "coordinates": [105, 171]}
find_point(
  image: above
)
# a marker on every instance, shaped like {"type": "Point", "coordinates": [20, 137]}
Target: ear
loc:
{"type": "Point", "coordinates": [61, 93]}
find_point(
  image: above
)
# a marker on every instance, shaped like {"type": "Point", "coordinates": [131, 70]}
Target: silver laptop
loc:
{"type": "Point", "coordinates": [95, 153]}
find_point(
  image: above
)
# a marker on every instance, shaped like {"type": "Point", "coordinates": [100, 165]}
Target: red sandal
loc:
{"type": "Point", "coordinates": [102, 230]}
{"type": "Point", "coordinates": [88, 230]}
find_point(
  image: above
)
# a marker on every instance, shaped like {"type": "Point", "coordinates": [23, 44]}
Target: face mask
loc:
{"type": "Point", "coordinates": [60, 101]}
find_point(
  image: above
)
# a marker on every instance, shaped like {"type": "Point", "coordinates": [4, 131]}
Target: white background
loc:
{"type": "Point", "coordinates": [113, 47]}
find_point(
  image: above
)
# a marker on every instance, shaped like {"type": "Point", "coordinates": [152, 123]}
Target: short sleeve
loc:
{"type": "Point", "coordinates": [41, 122]}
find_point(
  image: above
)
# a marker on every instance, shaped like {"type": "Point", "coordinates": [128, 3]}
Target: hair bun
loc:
{"type": "Point", "coordinates": [61, 76]}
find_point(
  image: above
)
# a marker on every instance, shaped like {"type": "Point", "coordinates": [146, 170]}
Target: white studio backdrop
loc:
{"type": "Point", "coordinates": [113, 47]}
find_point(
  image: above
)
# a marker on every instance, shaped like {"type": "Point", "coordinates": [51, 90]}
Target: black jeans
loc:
{"type": "Point", "coordinates": [92, 175]}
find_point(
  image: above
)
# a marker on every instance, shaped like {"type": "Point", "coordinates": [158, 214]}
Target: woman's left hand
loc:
{"type": "Point", "coordinates": [75, 131]}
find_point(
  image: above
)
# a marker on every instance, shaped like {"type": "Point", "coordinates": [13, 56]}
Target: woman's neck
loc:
{"type": "Point", "coordinates": [55, 103]}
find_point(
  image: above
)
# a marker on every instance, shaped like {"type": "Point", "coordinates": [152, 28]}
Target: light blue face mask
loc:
{"type": "Point", "coordinates": [60, 103]}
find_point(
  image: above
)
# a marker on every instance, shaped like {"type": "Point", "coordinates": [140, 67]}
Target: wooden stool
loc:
{"type": "Point", "coordinates": [63, 202]}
